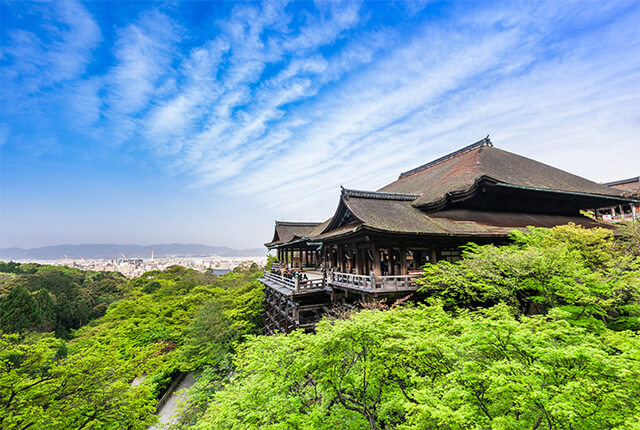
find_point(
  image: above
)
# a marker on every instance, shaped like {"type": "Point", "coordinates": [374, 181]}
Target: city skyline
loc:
{"type": "Point", "coordinates": [198, 122]}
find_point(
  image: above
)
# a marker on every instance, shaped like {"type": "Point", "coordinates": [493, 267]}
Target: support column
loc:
{"type": "Point", "coordinates": [433, 257]}
{"type": "Point", "coordinates": [340, 258]}
{"type": "Point", "coordinates": [376, 260]}
{"type": "Point", "coordinates": [403, 261]}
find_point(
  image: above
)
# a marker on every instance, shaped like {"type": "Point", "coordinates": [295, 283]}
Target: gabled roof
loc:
{"type": "Point", "coordinates": [461, 171]}
{"type": "Point", "coordinates": [446, 197]}
{"type": "Point", "coordinates": [286, 231]}
{"type": "Point", "coordinates": [392, 213]}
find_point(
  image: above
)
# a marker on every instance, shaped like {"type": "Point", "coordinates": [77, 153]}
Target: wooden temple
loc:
{"type": "Point", "coordinates": [376, 242]}
{"type": "Point", "coordinates": [622, 212]}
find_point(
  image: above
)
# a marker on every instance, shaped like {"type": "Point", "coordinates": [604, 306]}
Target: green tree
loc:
{"type": "Point", "coordinates": [570, 267]}
{"type": "Point", "coordinates": [421, 367]}
{"type": "Point", "coordinates": [18, 311]}
{"type": "Point", "coordinates": [47, 311]}
{"type": "Point", "coordinates": [40, 388]}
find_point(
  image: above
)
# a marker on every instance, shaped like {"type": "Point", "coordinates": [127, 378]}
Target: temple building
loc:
{"type": "Point", "coordinates": [622, 212]}
{"type": "Point", "coordinates": [376, 242]}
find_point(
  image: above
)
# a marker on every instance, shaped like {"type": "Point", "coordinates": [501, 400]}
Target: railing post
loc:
{"type": "Point", "coordinates": [372, 276]}
{"type": "Point", "coordinates": [297, 288]}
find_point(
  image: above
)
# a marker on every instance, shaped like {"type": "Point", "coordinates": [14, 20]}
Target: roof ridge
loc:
{"type": "Point", "coordinates": [622, 181]}
{"type": "Point", "coordinates": [479, 144]}
{"type": "Point", "coordinates": [380, 195]}
{"type": "Point", "coordinates": [298, 223]}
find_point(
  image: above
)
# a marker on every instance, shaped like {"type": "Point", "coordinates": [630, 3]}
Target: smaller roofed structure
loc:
{"type": "Point", "coordinates": [622, 212]}
{"type": "Point", "coordinates": [630, 187]}
{"type": "Point", "coordinates": [286, 231]}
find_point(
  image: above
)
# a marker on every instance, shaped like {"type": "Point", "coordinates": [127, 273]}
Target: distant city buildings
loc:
{"type": "Point", "coordinates": [132, 267]}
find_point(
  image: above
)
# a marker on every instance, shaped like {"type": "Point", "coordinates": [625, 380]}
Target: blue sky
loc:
{"type": "Point", "coordinates": [156, 122]}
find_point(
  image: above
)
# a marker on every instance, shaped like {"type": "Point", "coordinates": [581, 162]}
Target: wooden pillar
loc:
{"type": "Point", "coordinates": [340, 264]}
{"type": "Point", "coordinates": [403, 261]}
{"type": "Point", "coordinates": [433, 258]}
{"type": "Point", "coordinates": [376, 260]}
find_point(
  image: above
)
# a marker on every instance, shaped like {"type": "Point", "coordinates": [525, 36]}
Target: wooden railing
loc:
{"type": "Point", "coordinates": [370, 283]}
{"type": "Point", "coordinates": [373, 283]}
{"type": "Point", "coordinates": [293, 284]}
{"type": "Point", "coordinates": [277, 266]}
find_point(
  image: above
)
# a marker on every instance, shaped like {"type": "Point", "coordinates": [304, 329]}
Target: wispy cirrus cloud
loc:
{"type": "Point", "coordinates": [42, 65]}
{"type": "Point", "coordinates": [281, 102]}
{"type": "Point", "coordinates": [441, 91]}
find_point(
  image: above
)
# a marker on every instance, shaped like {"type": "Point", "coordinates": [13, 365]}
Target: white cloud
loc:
{"type": "Point", "coordinates": [282, 106]}
{"type": "Point", "coordinates": [424, 100]}
{"type": "Point", "coordinates": [43, 71]}
{"type": "Point", "coordinates": [41, 62]}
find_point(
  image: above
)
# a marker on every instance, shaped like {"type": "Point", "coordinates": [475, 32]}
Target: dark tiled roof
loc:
{"type": "Point", "coordinates": [630, 187]}
{"type": "Point", "coordinates": [379, 195]}
{"type": "Point", "coordinates": [286, 231]}
{"type": "Point", "coordinates": [399, 216]}
{"type": "Point", "coordinates": [461, 171]}
{"type": "Point", "coordinates": [401, 207]}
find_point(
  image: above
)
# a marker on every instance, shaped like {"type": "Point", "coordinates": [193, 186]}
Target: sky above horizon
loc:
{"type": "Point", "coordinates": [203, 122]}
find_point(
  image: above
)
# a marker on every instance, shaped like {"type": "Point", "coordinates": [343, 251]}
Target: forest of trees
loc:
{"type": "Point", "coordinates": [54, 298]}
{"type": "Point", "coordinates": [157, 325]}
{"type": "Point", "coordinates": [539, 334]}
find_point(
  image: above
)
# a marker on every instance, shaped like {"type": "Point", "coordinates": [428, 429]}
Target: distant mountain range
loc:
{"type": "Point", "coordinates": [115, 251]}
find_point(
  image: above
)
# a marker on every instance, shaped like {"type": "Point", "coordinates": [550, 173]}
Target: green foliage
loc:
{"type": "Point", "coordinates": [628, 238]}
{"type": "Point", "coordinates": [578, 270]}
{"type": "Point", "coordinates": [270, 260]}
{"type": "Point", "coordinates": [66, 298]}
{"type": "Point", "coordinates": [421, 367]}
{"type": "Point", "coordinates": [46, 383]}
{"type": "Point", "coordinates": [18, 311]}
{"type": "Point", "coordinates": [41, 388]}
{"type": "Point", "coordinates": [234, 311]}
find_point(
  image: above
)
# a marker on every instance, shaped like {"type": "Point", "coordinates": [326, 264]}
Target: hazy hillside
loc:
{"type": "Point", "coordinates": [114, 251]}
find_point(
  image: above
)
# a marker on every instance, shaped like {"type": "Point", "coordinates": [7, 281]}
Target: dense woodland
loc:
{"type": "Point", "coordinates": [539, 334]}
